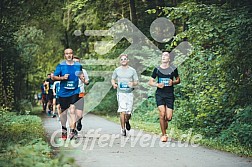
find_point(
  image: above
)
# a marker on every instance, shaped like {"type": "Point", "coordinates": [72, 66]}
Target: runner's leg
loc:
{"type": "Point", "coordinates": [161, 109]}
{"type": "Point", "coordinates": [72, 120]}
{"type": "Point", "coordinates": [122, 119]}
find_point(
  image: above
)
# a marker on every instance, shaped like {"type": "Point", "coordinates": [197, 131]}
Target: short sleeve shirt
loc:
{"type": "Point", "coordinates": [50, 84]}
{"type": "Point", "coordinates": [68, 87]}
{"type": "Point", "coordinates": [162, 78]}
{"type": "Point", "coordinates": [124, 76]}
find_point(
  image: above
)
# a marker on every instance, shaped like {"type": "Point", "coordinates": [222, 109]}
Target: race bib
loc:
{"type": "Point", "coordinates": [123, 85]}
{"type": "Point", "coordinates": [51, 86]}
{"type": "Point", "coordinates": [165, 81]}
{"type": "Point", "coordinates": [70, 85]}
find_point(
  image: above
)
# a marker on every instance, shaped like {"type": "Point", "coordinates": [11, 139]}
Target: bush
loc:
{"type": "Point", "coordinates": [24, 106]}
{"type": "Point", "coordinates": [147, 111]}
{"type": "Point", "coordinates": [23, 144]}
{"type": "Point", "coordinates": [108, 105]}
{"type": "Point", "coordinates": [35, 153]}
{"type": "Point", "coordinates": [240, 130]}
{"type": "Point", "coordinates": [20, 128]}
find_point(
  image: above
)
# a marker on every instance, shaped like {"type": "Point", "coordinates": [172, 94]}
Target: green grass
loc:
{"type": "Point", "coordinates": [23, 142]}
{"type": "Point", "coordinates": [36, 110]}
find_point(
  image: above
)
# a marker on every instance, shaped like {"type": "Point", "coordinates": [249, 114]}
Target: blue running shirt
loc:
{"type": "Point", "coordinates": [68, 87]}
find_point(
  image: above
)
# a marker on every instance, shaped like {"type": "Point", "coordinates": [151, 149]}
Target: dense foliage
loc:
{"type": "Point", "coordinates": [215, 95]}
{"type": "Point", "coordinates": [216, 87]}
{"type": "Point", "coordinates": [28, 40]}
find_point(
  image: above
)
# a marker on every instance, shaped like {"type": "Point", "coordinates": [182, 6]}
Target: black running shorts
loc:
{"type": "Point", "coordinates": [165, 99]}
{"type": "Point", "coordinates": [65, 102]}
{"type": "Point", "coordinates": [49, 96]}
{"type": "Point", "coordinates": [57, 101]}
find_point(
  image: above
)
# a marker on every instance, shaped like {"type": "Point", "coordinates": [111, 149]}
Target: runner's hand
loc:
{"type": "Point", "coordinates": [160, 85]}
{"type": "Point", "coordinates": [86, 82]}
{"type": "Point", "coordinates": [82, 78]}
{"type": "Point", "coordinates": [170, 82]}
{"type": "Point", "coordinates": [115, 86]}
{"type": "Point", "coordinates": [130, 84]}
{"type": "Point", "coordinates": [65, 77]}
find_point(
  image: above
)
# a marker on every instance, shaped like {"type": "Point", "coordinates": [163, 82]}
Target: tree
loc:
{"type": "Point", "coordinates": [133, 15]}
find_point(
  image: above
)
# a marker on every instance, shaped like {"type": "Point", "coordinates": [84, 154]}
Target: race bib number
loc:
{"type": "Point", "coordinates": [123, 85]}
{"type": "Point", "coordinates": [70, 85]}
{"type": "Point", "coordinates": [165, 81]}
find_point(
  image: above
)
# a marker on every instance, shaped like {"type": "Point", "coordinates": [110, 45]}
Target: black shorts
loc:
{"type": "Point", "coordinates": [49, 96]}
{"type": "Point", "coordinates": [57, 101]}
{"type": "Point", "coordinates": [165, 99]}
{"type": "Point", "coordinates": [65, 102]}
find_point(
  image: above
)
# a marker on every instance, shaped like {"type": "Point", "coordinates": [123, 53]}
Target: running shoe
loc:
{"type": "Point", "coordinates": [64, 136]}
{"type": "Point", "coordinates": [49, 113]}
{"type": "Point", "coordinates": [164, 138]}
{"type": "Point", "coordinates": [128, 127]}
{"type": "Point", "coordinates": [123, 132]}
{"type": "Point", "coordinates": [75, 133]}
{"type": "Point", "coordinates": [54, 116]}
{"type": "Point", "coordinates": [72, 135]}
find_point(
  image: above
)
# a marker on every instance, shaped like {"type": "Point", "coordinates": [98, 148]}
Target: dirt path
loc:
{"type": "Point", "coordinates": [100, 145]}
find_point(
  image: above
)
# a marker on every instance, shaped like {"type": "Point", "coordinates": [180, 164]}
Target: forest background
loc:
{"type": "Point", "coordinates": [214, 98]}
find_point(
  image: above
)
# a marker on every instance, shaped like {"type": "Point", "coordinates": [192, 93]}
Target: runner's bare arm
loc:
{"type": "Point", "coordinates": [152, 82]}
{"type": "Point", "coordinates": [86, 77]}
{"type": "Point", "coordinates": [60, 78]}
{"type": "Point", "coordinates": [82, 78]}
{"type": "Point", "coordinates": [113, 82]}
{"type": "Point", "coordinates": [54, 93]}
{"type": "Point", "coordinates": [132, 84]}
{"type": "Point", "coordinates": [176, 81]}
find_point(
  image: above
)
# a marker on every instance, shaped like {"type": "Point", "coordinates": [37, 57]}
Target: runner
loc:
{"type": "Point", "coordinates": [68, 72]}
{"type": "Point", "coordinates": [56, 88]}
{"type": "Point", "coordinates": [127, 78]}
{"type": "Point", "coordinates": [44, 90]}
{"type": "Point", "coordinates": [165, 75]}
{"type": "Point", "coordinates": [79, 112]}
{"type": "Point", "coordinates": [49, 97]}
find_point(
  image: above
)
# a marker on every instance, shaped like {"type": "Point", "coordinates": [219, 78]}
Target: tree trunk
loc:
{"type": "Point", "coordinates": [133, 15]}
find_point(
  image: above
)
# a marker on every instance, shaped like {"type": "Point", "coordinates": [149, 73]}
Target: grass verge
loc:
{"type": "Point", "coordinates": [189, 135]}
{"type": "Point", "coordinates": [23, 142]}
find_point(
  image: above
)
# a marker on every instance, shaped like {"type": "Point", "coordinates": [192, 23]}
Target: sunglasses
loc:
{"type": "Point", "coordinates": [124, 59]}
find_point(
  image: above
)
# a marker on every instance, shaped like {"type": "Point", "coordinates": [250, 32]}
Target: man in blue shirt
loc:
{"type": "Point", "coordinates": [68, 73]}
